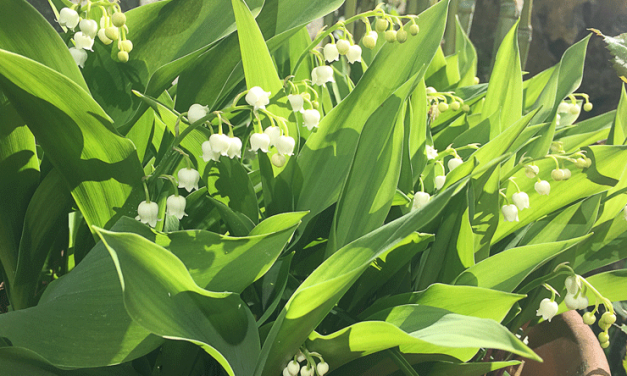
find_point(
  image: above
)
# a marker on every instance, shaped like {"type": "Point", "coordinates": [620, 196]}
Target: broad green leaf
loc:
{"type": "Point", "coordinates": [467, 56]}
{"type": "Point", "coordinates": [273, 286]}
{"type": "Point", "coordinates": [506, 270]}
{"type": "Point", "coordinates": [317, 295]}
{"type": "Point", "coordinates": [607, 245]}
{"type": "Point", "coordinates": [161, 296]}
{"type": "Point", "coordinates": [44, 221]}
{"type": "Point", "coordinates": [603, 121]}
{"type": "Point", "coordinates": [618, 132]}
{"type": "Point", "coordinates": [328, 153]}
{"type": "Point", "coordinates": [618, 48]}
{"type": "Point", "coordinates": [484, 207]}
{"type": "Point", "coordinates": [19, 168]}
{"type": "Point", "coordinates": [506, 87]}
{"type": "Point", "coordinates": [87, 304]}
{"type": "Point", "coordinates": [24, 31]}
{"type": "Point", "coordinates": [370, 186]}
{"type": "Point", "coordinates": [237, 223]}
{"type": "Point", "coordinates": [601, 176]}
{"type": "Point", "coordinates": [78, 137]}
{"type": "Point", "coordinates": [417, 329]}
{"type": "Point", "coordinates": [610, 284]}
{"type": "Point", "coordinates": [534, 86]}
{"type": "Point", "coordinates": [418, 131]}
{"type": "Point", "coordinates": [458, 299]}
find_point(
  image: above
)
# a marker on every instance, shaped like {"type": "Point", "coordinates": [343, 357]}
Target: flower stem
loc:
{"type": "Point", "coordinates": [401, 362]}
{"type": "Point", "coordinates": [174, 184]}
{"type": "Point", "coordinates": [146, 190]}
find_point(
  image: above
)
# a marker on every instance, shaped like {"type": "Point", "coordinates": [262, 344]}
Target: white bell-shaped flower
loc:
{"type": "Point", "coordinates": [510, 213]}
{"type": "Point", "coordinates": [572, 284]}
{"type": "Point", "coordinates": [575, 109]}
{"type": "Point", "coordinates": [259, 141]}
{"type": "Point", "coordinates": [558, 174]}
{"type": "Point", "coordinates": [311, 118]}
{"type": "Point", "coordinates": [322, 368]}
{"type": "Point", "coordinates": [89, 27]}
{"type": "Point", "coordinates": [102, 35]}
{"type": "Point", "coordinates": [563, 108]}
{"type": "Point", "coordinates": [148, 212]}
{"type": "Point", "coordinates": [188, 179]}
{"type": "Point", "coordinates": [431, 152]}
{"type": "Point", "coordinates": [306, 370]}
{"type": "Point", "coordinates": [354, 54]}
{"type": "Point", "coordinates": [196, 112]}
{"type": "Point", "coordinates": [296, 101]}
{"type": "Point", "coordinates": [68, 18]}
{"type": "Point", "coordinates": [208, 154]}
{"type": "Point", "coordinates": [343, 46]}
{"type": "Point", "coordinates": [439, 181]}
{"type": "Point", "coordinates": [300, 357]}
{"type": "Point", "coordinates": [521, 200]}
{"type": "Point", "coordinates": [454, 163]}
{"type": "Point", "coordinates": [548, 309]}
{"type": "Point", "coordinates": [278, 160]}
{"type": "Point", "coordinates": [257, 97]}
{"type": "Point", "coordinates": [79, 55]}
{"type": "Point", "coordinates": [220, 143]}
{"type": "Point", "coordinates": [330, 52]}
{"type": "Point", "coordinates": [286, 372]}
{"type": "Point", "coordinates": [83, 41]}
{"type": "Point", "coordinates": [573, 301]}
{"type": "Point", "coordinates": [370, 40]}
{"type": "Point", "coordinates": [285, 145]}
{"type": "Point", "coordinates": [175, 205]}
{"type": "Point", "coordinates": [420, 199]}
{"type": "Point", "coordinates": [567, 173]}
{"type": "Point", "coordinates": [543, 187]}
{"type": "Point", "coordinates": [293, 367]}
{"type": "Point", "coordinates": [322, 74]}
{"type": "Point", "coordinates": [274, 133]}
{"type": "Point", "coordinates": [531, 171]}
{"type": "Point", "coordinates": [235, 148]}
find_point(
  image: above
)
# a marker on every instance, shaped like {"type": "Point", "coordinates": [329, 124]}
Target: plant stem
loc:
{"type": "Point", "coordinates": [525, 32]}
{"type": "Point", "coordinates": [466, 12]}
{"type": "Point", "coordinates": [449, 33]}
{"type": "Point", "coordinates": [401, 362]}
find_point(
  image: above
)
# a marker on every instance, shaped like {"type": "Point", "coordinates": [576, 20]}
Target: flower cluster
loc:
{"type": "Point", "coordinates": [310, 368]}
{"type": "Point", "coordinates": [440, 102]}
{"type": "Point", "coordinates": [112, 27]}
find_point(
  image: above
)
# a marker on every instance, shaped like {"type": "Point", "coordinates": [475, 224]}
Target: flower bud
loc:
{"type": "Point", "coordinates": [123, 56]}
{"type": "Point", "coordinates": [563, 108]}
{"type": "Point", "coordinates": [531, 171]}
{"type": "Point", "coordinates": [188, 179]}
{"type": "Point", "coordinates": [274, 133]}
{"type": "Point", "coordinates": [322, 368]}
{"type": "Point", "coordinates": [465, 108]}
{"type": "Point", "coordinates": [285, 145]}
{"type": "Point", "coordinates": [442, 106]}
{"type": "Point", "coordinates": [607, 319]}
{"type": "Point", "coordinates": [278, 160]}
{"type": "Point", "coordinates": [79, 55]}
{"type": "Point", "coordinates": [548, 309]}
{"type": "Point", "coordinates": [476, 80]}
{"type": "Point", "coordinates": [557, 174]}
{"type": "Point", "coordinates": [587, 107]}
{"type": "Point", "coordinates": [196, 112]}
{"type": "Point", "coordinates": [126, 45]}
{"type": "Point", "coordinates": [542, 187]}
{"type": "Point", "coordinates": [455, 106]}
{"type": "Point", "coordinates": [570, 301]}
{"type": "Point", "coordinates": [175, 205]}
{"type": "Point", "coordinates": [89, 28]}
{"type": "Point", "coordinates": [354, 54]}
{"type": "Point", "coordinates": [208, 154]}
{"type": "Point", "coordinates": [235, 148]}
{"type": "Point", "coordinates": [220, 143]}
{"type": "Point", "coordinates": [572, 284]}
{"type": "Point", "coordinates": [521, 200]}
{"type": "Point", "coordinates": [431, 90]}
{"type": "Point", "coordinates": [260, 141]}
{"type": "Point", "coordinates": [286, 372]}
{"type": "Point", "coordinates": [605, 345]}
{"type": "Point", "coordinates": [575, 109]}
{"type": "Point", "coordinates": [83, 41]}
{"type": "Point", "coordinates": [401, 36]}
{"type": "Point", "coordinates": [112, 33]}
{"type": "Point", "coordinates": [603, 337]}
{"type": "Point", "coordinates": [439, 181]}
{"type": "Point", "coordinates": [148, 212]}
{"type": "Point", "coordinates": [588, 318]}
{"type": "Point", "coordinates": [102, 35]}
{"type": "Point", "coordinates": [68, 18]}
{"type": "Point", "coordinates": [581, 163]}
{"type": "Point", "coordinates": [454, 163]}
{"type": "Point", "coordinates": [257, 97]}
{"type": "Point", "coordinates": [414, 29]}
{"type": "Point", "coordinates": [390, 36]}
{"type": "Point", "coordinates": [118, 19]}
{"type": "Point", "coordinates": [567, 173]}
{"type": "Point", "coordinates": [331, 53]}
{"type": "Point", "coordinates": [311, 119]}
{"type": "Point", "coordinates": [381, 24]}
{"type": "Point", "coordinates": [420, 199]}
{"type": "Point", "coordinates": [293, 367]}
{"type": "Point", "coordinates": [510, 213]}
{"type": "Point", "coordinates": [370, 40]}
{"type": "Point", "coordinates": [343, 46]}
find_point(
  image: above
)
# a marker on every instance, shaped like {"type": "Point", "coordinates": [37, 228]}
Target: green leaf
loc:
{"type": "Point", "coordinates": [618, 132]}
{"type": "Point", "coordinates": [326, 157]}
{"type": "Point", "coordinates": [317, 295]}
{"type": "Point", "coordinates": [618, 48]}
{"type": "Point", "coordinates": [78, 137]}
{"type": "Point", "coordinates": [610, 284]}
{"type": "Point", "coordinates": [506, 87]}
{"type": "Point", "coordinates": [24, 31]}
{"type": "Point", "coordinates": [417, 329]}
{"type": "Point", "coordinates": [506, 270]}
{"type": "Point", "coordinates": [468, 369]}
{"type": "Point", "coordinates": [162, 297]}
{"type": "Point", "coordinates": [237, 223]}
{"type": "Point", "coordinates": [228, 182]}
{"type": "Point", "coordinates": [273, 286]}
{"type": "Point", "coordinates": [467, 56]}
